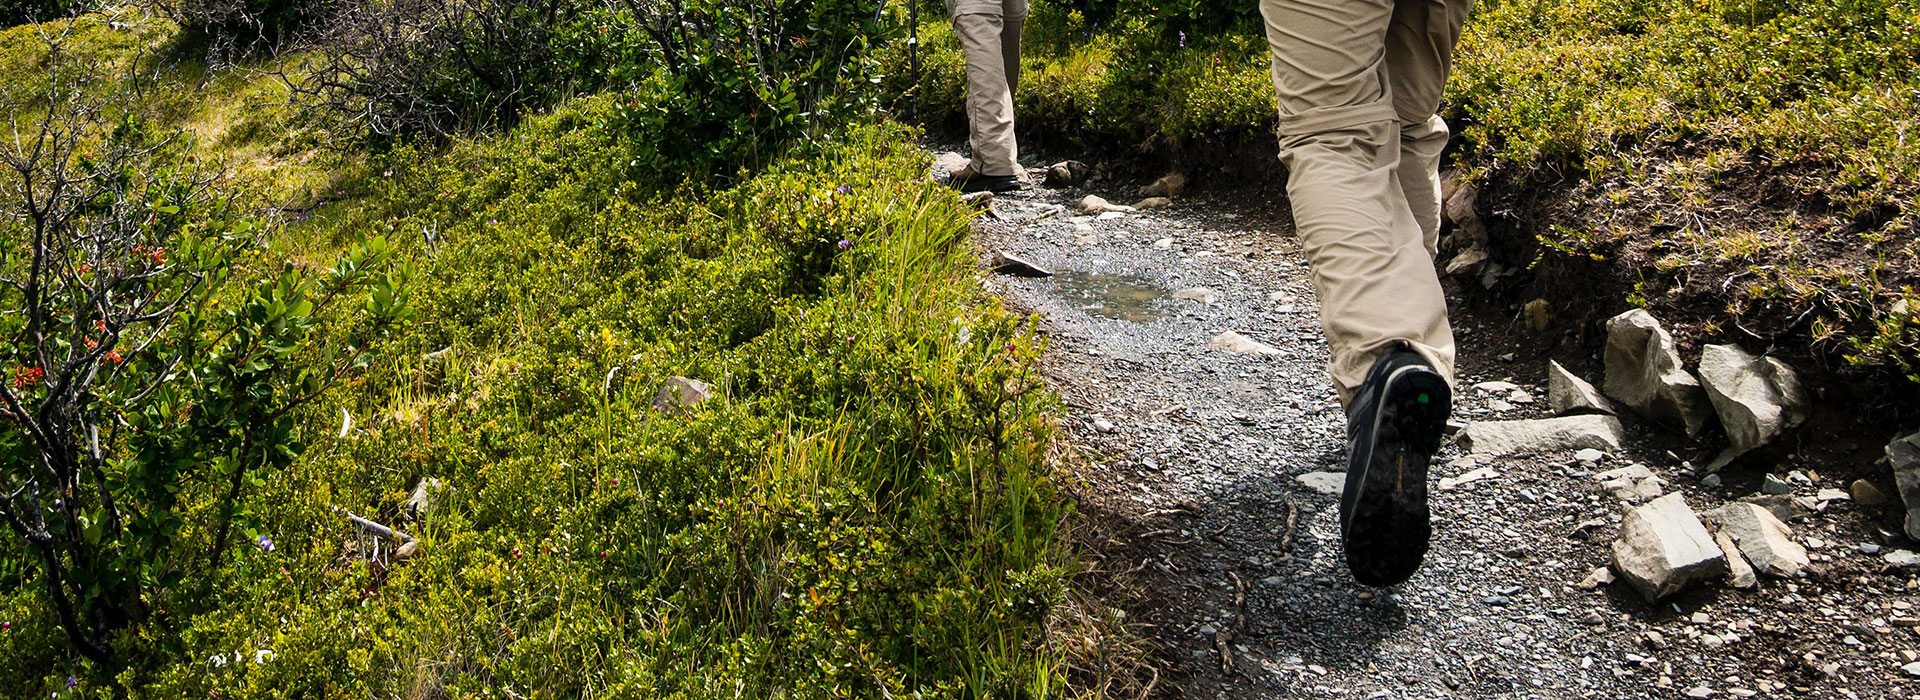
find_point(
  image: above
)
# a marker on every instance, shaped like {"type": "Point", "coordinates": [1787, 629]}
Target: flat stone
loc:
{"type": "Point", "coordinates": [1094, 204]}
{"type": "Point", "coordinates": [1451, 483]}
{"type": "Point", "coordinates": [1006, 263]}
{"type": "Point", "coordinates": [1784, 508]}
{"type": "Point", "coordinates": [1644, 372]}
{"type": "Point", "coordinates": [1496, 387]}
{"type": "Point", "coordinates": [1596, 578]}
{"type": "Point", "coordinates": [1324, 483]}
{"type": "Point", "coordinates": [1739, 572]}
{"type": "Point", "coordinates": [1903, 455]}
{"type": "Point", "coordinates": [1589, 455]}
{"type": "Point", "coordinates": [1902, 559]}
{"type": "Point", "coordinates": [1663, 548]}
{"type": "Point", "coordinates": [1833, 495]}
{"type": "Point", "coordinates": [1568, 394]}
{"type": "Point", "coordinates": [1599, 432]}
{"type": "Point", "coordinates": [1765, 541]}
{"type": "Point", "coordinates": [1163, 244]}
{"type": "Point", "coordinates": [1151, 203]}
{"type": "Point", "coordinates": [1756, 397]}
{"type": "Point", "coordinates": [1199, 294]}
{"type": "Point", "coordinates": [681, 394]}
{"type": "Point", "coordinates": [1238, 344]}
{"type": "Point", "coordinates": [1912, 669]}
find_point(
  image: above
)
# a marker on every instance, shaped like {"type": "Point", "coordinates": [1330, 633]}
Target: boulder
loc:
{"type": "Point", "coordinates": [1169, 185]}
{"type": "Point", "coordinates": [1568, 394]}
{"type": "Point", "coordinates": [1756, 397]}
{"type": "Point", "coordinates": [1644, 372]}
{"type": "Point", "coordinates": [681, 394]}
{"type": "Point", "coordinates": [1066, 173]}
{"type": "Point", "coordinates": [1238, 344]}
{"type": "Point", "coordinates": [1545, 435]}
{"type": "Point", "coordinates": [1763, 539]}
{"type": "Point", "coordinates": [1006, 263]}
{"type": "Point", "coordinates": [1662, 548]}
{"type": "Point", "coordinates": [1903, 455]}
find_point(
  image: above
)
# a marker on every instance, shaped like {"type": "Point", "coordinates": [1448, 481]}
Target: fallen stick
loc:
{"type": "Point", "coordinates": [408, 545]}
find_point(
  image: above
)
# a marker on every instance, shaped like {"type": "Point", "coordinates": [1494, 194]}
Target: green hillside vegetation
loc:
{"type": "Point", "coordinates": [1766, 145]}
{"type": "Point", "coordinates": [862, 509]}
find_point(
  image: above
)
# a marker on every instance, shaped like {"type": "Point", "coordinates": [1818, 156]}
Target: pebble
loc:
{"type": "Point", "coordinates": [1103, 425]}
{"type": "Point", "coordinates": [1589, 455]}
{"type": "Point", "coordinates": [1774, 486]}
{"type": "Point", "coordinates": [1711, 481]}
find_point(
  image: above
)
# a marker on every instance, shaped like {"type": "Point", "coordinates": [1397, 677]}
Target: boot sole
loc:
{"type": "Point", "coordinates": [1388, 526]}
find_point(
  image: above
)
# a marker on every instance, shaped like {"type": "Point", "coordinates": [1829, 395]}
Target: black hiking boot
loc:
{"type": "Point", "coordinates": [1393, 429]}
{"type": "Point", "coordinates": [968, 181]}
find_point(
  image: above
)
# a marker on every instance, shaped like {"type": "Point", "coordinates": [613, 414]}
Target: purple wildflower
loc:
{"type": "Point", "coordinates": [1183, 40]}
{"type": "Point", "coordinates": [71, 681]}
{"type": "Point", "coordinates": [845, 244]}
{"type": "Point", "coordinates": [843, 189]}
{"type": "Point", "coordinates": [266, 544]}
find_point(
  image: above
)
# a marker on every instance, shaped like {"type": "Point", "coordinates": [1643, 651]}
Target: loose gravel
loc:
{"type": "Point", "coordinates": [1188, 462]}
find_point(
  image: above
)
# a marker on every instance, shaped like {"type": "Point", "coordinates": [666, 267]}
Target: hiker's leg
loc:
{"type": "Point", "coordinates": [1014, 14]}
{"type": "Point", "coordinates": [1340, 140]}
{"type": "Point", "coordinates": [1420, 42]}
{"type": "Point", "coordinates": [979, 26]}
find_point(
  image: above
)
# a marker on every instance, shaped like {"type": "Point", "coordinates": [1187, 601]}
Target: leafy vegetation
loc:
{"type": "Point", "coordinates": [861, 509]}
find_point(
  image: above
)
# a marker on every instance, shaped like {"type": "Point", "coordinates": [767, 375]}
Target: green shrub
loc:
{"type": "Point", "coordinates": [18, 12]}
{"type": "Point", "coordinates": [244, 23]}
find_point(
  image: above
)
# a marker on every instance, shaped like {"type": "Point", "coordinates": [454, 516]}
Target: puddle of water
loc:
{"type": "Point", "coordinates": [1119, 297]}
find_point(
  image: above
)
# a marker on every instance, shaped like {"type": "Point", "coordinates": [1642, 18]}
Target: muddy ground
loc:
{"type": "Point", "coordinates": [1186, 461]}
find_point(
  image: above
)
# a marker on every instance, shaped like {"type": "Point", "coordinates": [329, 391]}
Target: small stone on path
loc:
{"type": "Point", "coordinates": [1234, 342]}
{"type": "Point", "coordinates": [1199, 294]}
{"type": "Point", "coordinates": [1452, 483]}
{"type": "Point", "coordinates": [1568, 394]}
{"type": "Point", "coordinates": [1545, 435]}
{"type": "Point", "coordinates": [1773, 485]}
{"type": "Point", "coordinates": [1006, 263]}
{"type": "Point", "coordinates": [1663, 548]}
{"type": "Point", "coordinates": [1324, 483]}
{"type": "Point", "coordinates": [1589, 455]}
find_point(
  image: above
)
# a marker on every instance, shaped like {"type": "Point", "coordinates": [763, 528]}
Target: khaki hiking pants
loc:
{"type": "Point", "coordinates": [1359, 84]}
{"type": "Point", "coordinates": [989, 32]}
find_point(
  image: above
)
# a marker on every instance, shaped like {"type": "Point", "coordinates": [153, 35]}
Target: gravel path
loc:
{"type": "Point", "coordinates": [1189, 462]}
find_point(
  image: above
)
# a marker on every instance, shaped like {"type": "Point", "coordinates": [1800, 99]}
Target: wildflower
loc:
{"type": "Point", "coordinates": [845, 244]}
{"type": "Point", "coordinates": [265, 543]}
{"type": "Point", "coordinates": [24, 377]}
{"type": "Point", "coordinates": [157, 255]}
{"type": "Point", "coordinates": [115, 357]}
{"type": "Point", "coordinates": [6, 626]}
{"type": "Point", "coordinates": [1183, 40]}
{"type": "Point", "coordinates": [262, 656]}
{"type": "Point", "coordinates": [843, 189]}
{"type": "Point", "coordinates": [91, 344]}
{"type": "Point", "coordinates": [516, 552]}
{"type": "Point", "coordinates": [71, 681]}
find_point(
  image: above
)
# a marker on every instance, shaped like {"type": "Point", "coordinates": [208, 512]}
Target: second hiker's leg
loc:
{"type": "Point", "coordinates": [979, 26]}
{"type": "Point", "coordinates": [1420, 42]}
{"type": "Point", "coordinates": [1340, 140]}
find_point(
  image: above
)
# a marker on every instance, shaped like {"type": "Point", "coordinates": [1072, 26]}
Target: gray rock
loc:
{"type": "Point", "coordinates": [1912, 669]}
{"type": "Point", "coordinates": [1756, 397]}
{"type": "Point", "coordinates": [1238, 344]}
{"type": "Point", "coordinates": [1163, 244]}
{"type": "Point", "coordinates": [950, 162]}
{"type": "Point", "coordinates": [1739, 572]}
{"type": "Point", "coordinates": [1833, 495]}
{"type": "Point", "coordinates": [1169, 185]}
{"type": "Point", "coordinates": [1903, 455]}
{"type": "Point", "coordinates": [1662, 548]}
{"type": "Point", "coordinates": [1786, 509]}
{"type": "Point", "coordinates": [1496, 387]}
{"type": "Point", "coordinates": [1589, 455]}
{"type": "Point", "coordinates": [680, 394]}
{"type": "Point", "coordinates": [1093, 204]}
{"type": "Point", "coordinates": [1545, 435]}
{"type": "Point", "coordinates": [1103, 425]}
{"type": "Point", "coordinates": [1066, 173]}
{"type": "Point", "coordinates": [1153, 203]}
{"type": "Point", "coordinates": [1902, 559]}
{"type": "Point", "coordinates": [1634, 482]}
{"type": "Point", "coordinates": [1765, 541]}
{"type": "Point", "coordinates": [1775, 486]}
{"type": "Point", "coordinates": [1467, 263]}
{"type": "Point", "coordinates": [1600, 576]}
{"type": "Point", "coordinates": [1199, 294]}
{"type": "Point", "coordinates": [1568, 394]}
{"type": "Point", "coordinates": [1644, 373]}
{"type": "Point", "coordinates": [1469, 233]}
{"type": "Point", "coordinates": [1325, 483]}
{"type": "Point", "coordinates": [1006, 263]}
